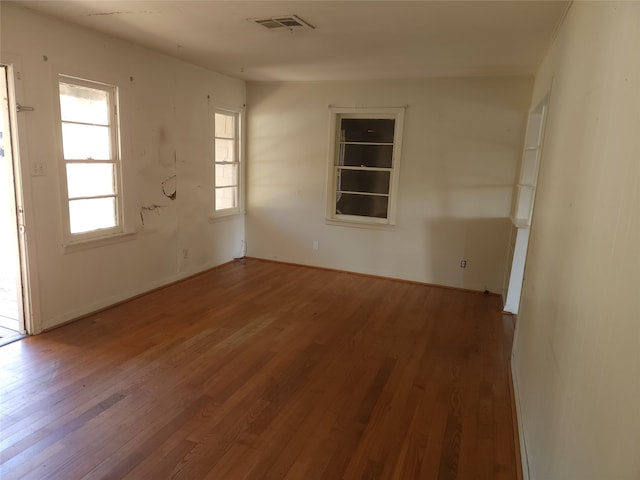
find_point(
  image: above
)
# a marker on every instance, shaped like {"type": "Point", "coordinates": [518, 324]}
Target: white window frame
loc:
{"type": "Point", "coordinates": [114, 131]}
{"type": "Point", "coordinates": [238, 114]}
{"type": "Point", "coordinates": [337, 114]}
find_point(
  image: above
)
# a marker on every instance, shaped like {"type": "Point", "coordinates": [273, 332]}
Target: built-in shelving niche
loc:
{"type": "Point", "coordinates": [528, 178]}
{"type": "Point", "coordinates": [525, 194]}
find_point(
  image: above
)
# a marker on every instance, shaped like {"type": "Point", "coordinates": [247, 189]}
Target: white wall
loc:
{"type": "Point", "coordinates": [165, 130]}
{"type": "Point", "coordinates": [577, 346]}
{"type": "Point", "coordinates": [461, 150]}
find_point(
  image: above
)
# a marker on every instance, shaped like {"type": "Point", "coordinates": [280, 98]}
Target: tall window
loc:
{"type": "Point", "coordinates": [365, 164]}
{"type": "Point", "coordinates": [91, 157]}
{"type": "Point", "coordinates": [227, 175]}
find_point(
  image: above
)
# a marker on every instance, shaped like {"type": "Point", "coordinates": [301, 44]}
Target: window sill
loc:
{"type": "Point", "coordinates": [86, 244]}
{"type": "Point", "coordinates": [221, 217]}
{"type": "Point", "coordinates": [359, 224]}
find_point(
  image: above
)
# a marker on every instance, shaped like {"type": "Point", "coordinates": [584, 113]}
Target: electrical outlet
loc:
{"type": "Point", "coordinates": [315, 245]}
{"type": "Point", "coordinates": [38, 169]}
{"type": "Point", "coordinates": [463, 263]}
{"type": "Point", "coordinates": [185, 253]}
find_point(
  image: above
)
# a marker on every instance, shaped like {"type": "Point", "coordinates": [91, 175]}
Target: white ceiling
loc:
{"type": "Point", "coordinates": [352, 39]}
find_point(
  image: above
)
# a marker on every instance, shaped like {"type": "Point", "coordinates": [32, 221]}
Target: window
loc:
{"type": "Point", "coordinates": [90, 153]}
{"type": "Point", "coordinates": [227, 174]}
{"type": "Point", "coordinates": [363, 172]}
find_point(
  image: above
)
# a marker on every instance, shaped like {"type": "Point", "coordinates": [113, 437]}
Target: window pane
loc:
{"type": "Point", "coordinates": [363, 181]}
{"type": "Point", "coordinates": [90, 180]}
{"type": "Point", "coordinates": [226, 197]}
{"type": "Point", "coordinates": [376, 130]}
{"type": "Point", "coordinates": [226, 175]}
{"type": "Point", "coordinates": [87, 215]}
{"type": "Point", "coordinates": [225, 125]}
{"type": "Point", "coordinates": [225, 150]}
{"type": "Point", "coordinates": [85, 142]}
{"type": "Point", "coordinates": [366, 155]}
{"type": "Point", "coordinates": [84, 104]}
{"type": "Point", "coordinates": [362, 205]}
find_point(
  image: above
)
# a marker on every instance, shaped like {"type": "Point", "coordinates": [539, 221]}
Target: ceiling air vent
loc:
{"type": "Point", "coordinates": [285, 21]}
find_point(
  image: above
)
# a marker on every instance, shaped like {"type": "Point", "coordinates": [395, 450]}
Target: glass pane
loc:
{"type": "Point", "coordinates": [226, 197]}
{"type": "Point", "coordinates": [90, 180]}
{"type": "Point", "coordinates": [225, 125]}
{"type": "Point", "coordinates": [363, 181]}
{"type": "Point", "coordinates": [225, 150]}
{"type": "Point", "coordinates": [366, 155]}
{"type": "Point", "coordinates": [226, 175]}
{"type": "Point", "coordinates": [362, 205]}
{"type": "Point", "coordinates": [84, 104]}
{"type": "Point", "coordinates": [85, 142]}
{"type": "Point", "coordinates": [376, 130]}
{"type": "Point", "coordinates": [94, 214]}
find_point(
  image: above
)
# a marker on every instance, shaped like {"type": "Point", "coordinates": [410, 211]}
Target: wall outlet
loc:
{"type": "Point", "coordinates": [185, 253]}
{"type": "Point", "coordinates": [463, 263]}
{"type": "Point", "coordinates": [38, 169]}
{"type": "Point", "coordinates": [315, 245]}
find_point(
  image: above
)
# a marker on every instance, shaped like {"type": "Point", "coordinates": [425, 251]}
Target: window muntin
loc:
{"type": "Point", "coordinates": [364, 168]}
{"type": "Point", "coordinates": [227, 174]}
{"type": "Point", "coordinates": [91, 157]}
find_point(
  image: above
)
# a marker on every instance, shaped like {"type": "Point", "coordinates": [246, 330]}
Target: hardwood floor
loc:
{"type": "Point", "coordinates": [266, 370]}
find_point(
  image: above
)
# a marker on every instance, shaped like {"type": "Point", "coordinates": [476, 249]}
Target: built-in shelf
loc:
{"type": "Point", "coordinates": [528, 178]}
{"type": "Point", "coordinates": [520, 222]}
{"type": "Point", "coordinates": [525, 193]}
{"type": "Point", "coordinates": [524, 202]}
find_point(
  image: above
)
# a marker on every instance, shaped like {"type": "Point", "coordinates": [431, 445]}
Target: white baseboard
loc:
{"type": "Point", "coordinates": [123, 296]}
{"type": "Point", "coordinates": [524, 459]}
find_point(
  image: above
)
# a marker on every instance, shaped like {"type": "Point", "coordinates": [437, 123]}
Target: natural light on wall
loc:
{"type": "Point", "coordinates": [87, 113]}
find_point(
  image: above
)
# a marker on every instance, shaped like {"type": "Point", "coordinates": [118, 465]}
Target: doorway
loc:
{"type": "Point", "coordinates": [12, 322]}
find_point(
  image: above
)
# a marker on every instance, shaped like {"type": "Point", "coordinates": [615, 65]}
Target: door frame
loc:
{"type": "Point", "coordinates": [23, 199]}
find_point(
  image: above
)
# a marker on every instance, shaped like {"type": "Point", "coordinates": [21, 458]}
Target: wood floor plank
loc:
{"type": "Point", "coordinates": [262, 370]}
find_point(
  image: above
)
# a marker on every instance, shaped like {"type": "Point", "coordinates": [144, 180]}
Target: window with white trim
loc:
{"type": "Point", "coordinates": [90, 153]}
{"type": "Point", "coordinates": [227, 175]}
{"type": "Point", "coordinates": [364, 167]}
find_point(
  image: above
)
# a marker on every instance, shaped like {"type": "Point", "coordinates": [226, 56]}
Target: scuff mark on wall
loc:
{"type": "Point", "coordinates": [105, 14]}
{"type": "Point", "coordinates": [164, 145]}
{"type": "Point", "coordinates": [169, 187]}
{"type": "Point", "coordinates": [149, 208]}
{"type": "Point", "coordinates": [162, 135]}
{"type": "Point", "coordinates": [98, 14]}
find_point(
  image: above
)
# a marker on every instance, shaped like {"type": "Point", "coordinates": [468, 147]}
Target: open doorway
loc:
{"type": "Point", "coordinates": [12, 324]}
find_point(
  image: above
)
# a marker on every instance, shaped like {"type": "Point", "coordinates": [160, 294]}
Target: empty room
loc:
{"type": "Point", "coordinates": [320, 240]}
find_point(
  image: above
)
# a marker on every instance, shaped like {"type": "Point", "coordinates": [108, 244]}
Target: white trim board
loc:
{"type": "Point", "coordinates": [524, 459]}
{"type": "Point", "coordinates": [99, 305]}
